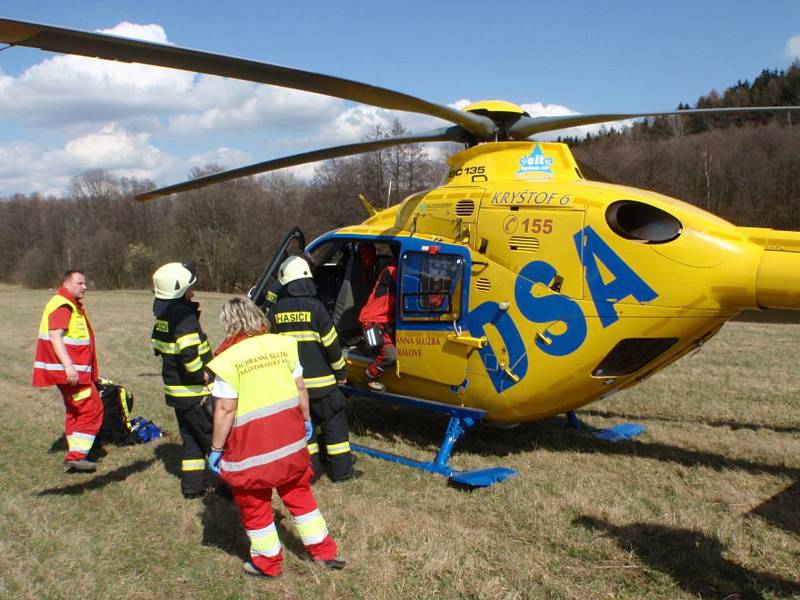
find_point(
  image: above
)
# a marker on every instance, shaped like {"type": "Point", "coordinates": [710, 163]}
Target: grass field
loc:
{"type": "Point", "coordinates": [705, 504]}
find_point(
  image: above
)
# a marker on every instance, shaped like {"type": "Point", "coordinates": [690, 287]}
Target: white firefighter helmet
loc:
{"type": "Point", "coordinates": [173, 280]}
{"type": "Point", "coordinates": [292, 269]}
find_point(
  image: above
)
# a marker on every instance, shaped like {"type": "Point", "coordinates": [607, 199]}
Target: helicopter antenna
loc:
{"type": "Point", "coordinates": [389, 194]}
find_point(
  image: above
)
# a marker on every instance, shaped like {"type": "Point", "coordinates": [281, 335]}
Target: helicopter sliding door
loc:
{"type": "Point", "coordinates": [523, 293]}
{"type": "Point", "coordinates": [517, 236]}
{"type": "Point", "coordinates": [432, 304]}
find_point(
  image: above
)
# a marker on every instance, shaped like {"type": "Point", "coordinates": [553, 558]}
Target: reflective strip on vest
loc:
{"type": "Point", "coordinates": [194, 464]}
{"type": "Point", "coordinates": [329, 338]}
{"type": "Point", "coordinates": [186, 391]}
{"type": "Point", "coordinates": [60, 367]}
{"type": "Point", "coordinates": [263, 459]}
{"type": "Point", "coordinates": [264, 541]}
{"type": "Point", "coordinates": [165, 347]}
{"type": "Point", "coordinates": [203, 347]}
{"type": "Point", "coordinates": [266, 411]}
{"type": "Point", "coordinates": [302, 336]}
{"type": "Point", "coordinates": [340, 448]}
{"type": "Point", "coordinates": [318, 382]}
{"type": "Point", "coordinates": [80, 442]}
{"type": "Point", "coordinates": [311, 527]}
{"type": "Point", "coordinates": [190, 339]}
{"type": "Point", "coordinates": [68, 340]}
{"type": "Point", "coordinates": [313, 448]}
{"type": "Point", "coordinates": [339, 364]}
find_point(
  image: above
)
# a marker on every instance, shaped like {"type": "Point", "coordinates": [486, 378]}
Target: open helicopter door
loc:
{"type": "Point", "coordinates": [432, 304]}
{"type": "Point", "coordinates": [266, 286]}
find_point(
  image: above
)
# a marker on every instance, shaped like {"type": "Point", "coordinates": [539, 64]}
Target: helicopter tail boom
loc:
{"type": "Point", "coordinates": [778, 277]}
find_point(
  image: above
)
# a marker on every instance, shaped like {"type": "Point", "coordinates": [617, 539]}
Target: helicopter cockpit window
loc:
{"type": "Point", "coordinates": [642, 222]}
{"type": "Point", "coordinates": [431, 287]}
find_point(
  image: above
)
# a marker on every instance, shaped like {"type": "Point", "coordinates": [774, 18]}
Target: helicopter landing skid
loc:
{"type": "Point", "coordinates": [623, 431]}
{"type": "Point", "coordinates": [461, 420]}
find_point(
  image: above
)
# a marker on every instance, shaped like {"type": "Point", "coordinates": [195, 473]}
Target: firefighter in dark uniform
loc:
{"type": "Point", "coordinates": [299, 314]}
{"type": "Point", "coordinates": [183, 347]}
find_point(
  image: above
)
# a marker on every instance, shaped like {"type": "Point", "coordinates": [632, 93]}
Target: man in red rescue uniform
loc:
{"type": "Point", "coordinates": [261, 425]}
{"type": "Point", "coordinates": [66, 357]}
{"type": "Point", "coordinates": [379, 310]}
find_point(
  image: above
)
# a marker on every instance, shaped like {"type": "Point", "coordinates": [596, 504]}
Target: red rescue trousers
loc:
{"type": "Point", "coordinates": [386, 356]}
{"type": "Point", "coordinates": [255, 506]}
{"type": "Point", "coordinates": [83, 419]}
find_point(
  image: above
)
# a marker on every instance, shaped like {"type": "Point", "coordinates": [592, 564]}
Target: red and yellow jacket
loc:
{"type": "Point", "coordinates": [78, 340]}
{"type": "Point", "coordinates": [266, 446]}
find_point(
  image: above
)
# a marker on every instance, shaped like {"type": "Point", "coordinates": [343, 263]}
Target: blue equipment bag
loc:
{"type": "Point", "coordinates": [144, 430]}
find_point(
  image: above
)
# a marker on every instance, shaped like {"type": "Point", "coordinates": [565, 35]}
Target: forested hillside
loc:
{"type": "Point", "coordinates": [745, 168]}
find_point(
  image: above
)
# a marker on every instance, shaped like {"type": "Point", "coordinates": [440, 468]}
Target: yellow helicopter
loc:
{"type": "Point", "coordinates": [524, 289]}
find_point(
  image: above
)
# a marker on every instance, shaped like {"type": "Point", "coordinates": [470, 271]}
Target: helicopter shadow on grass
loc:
{"type": "Point", "coordinates": [99, 481]}
{"type": "Point", "coordinates": [783, 509]}
{"type": "Point", "coordinates": [392, 423]}
{"type": "Point", "coordinates": [734, 425]}
{"type": "Point", "coordinates": [692, 559]}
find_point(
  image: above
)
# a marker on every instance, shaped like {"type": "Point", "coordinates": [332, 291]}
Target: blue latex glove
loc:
{"type": "Point", "coordinates": [214, 458]}
{"type": "Point", "coordinates": [309, 430]}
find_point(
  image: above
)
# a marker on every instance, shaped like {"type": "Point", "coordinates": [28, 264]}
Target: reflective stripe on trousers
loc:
{"type": "Point", "coordinates": [80, 442]}
{"type": "Point", "coordinates": [311, 527]}
{"type": "Point", "coordinates": [264, 541]}
{"type": "Point", "coordinates": [194, 464]}
{"type": "Point", "coordinates": [341, 448]}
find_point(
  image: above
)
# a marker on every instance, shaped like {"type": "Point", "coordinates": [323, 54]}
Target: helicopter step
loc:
{"type": "Point", "coordinates": [461, 420]}
{"type": "Point", "coordinates": [617, 433]}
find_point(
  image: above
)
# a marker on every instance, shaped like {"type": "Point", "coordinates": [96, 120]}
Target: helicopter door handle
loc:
{"type": "Point", "coordinates": [472, 342]}
{"type": "Point", "coordinates": [513, 376]}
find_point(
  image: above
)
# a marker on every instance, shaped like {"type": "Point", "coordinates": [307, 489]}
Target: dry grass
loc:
{"type": "Point", "coordinates": [706, 503]}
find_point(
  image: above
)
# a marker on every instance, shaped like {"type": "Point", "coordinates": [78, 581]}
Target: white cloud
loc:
{"type": "Point", "coordinates": [68, 92]}
{"type": "Point", "coordinates": [27, 167]}
{"type": "Point", "coordinates": [67, 89]}
{"type": "Point", "coordinates": [149, 33]}
{"type": "Point", "coordinates": [110, 148]}
{"type": "Point", "coordinates": [232, 106]}
{"type": "Point", "coordinates": [792, 50]}
{"type": "Point", "coordinates": [227, 158]}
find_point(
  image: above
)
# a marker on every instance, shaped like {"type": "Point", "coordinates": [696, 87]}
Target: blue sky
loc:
{"type": "Point", "coordinates": [60, 117]}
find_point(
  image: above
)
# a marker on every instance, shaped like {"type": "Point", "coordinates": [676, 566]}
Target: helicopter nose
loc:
{"type": "Point", "coordinates": [778, 276]}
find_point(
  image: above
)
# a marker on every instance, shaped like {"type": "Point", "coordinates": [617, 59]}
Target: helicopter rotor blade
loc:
{"type": "Point", "coordinates": [445, 134]}
{"type": "Point", "coordinates": [528, 126]}
{"type": "Point", "coordinates": [111, 47]}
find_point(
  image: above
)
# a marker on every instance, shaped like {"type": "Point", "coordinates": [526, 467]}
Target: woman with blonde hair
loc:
{"type": "Point", "coordinates": [261, 423]}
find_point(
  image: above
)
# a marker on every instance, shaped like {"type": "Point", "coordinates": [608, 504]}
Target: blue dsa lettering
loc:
{"type": "Point", "coordinates": [489, 313]}
{"type": "Point", "coordinates": [625, 283]}
{"type": "Point", "coordinates": [550, 308]}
